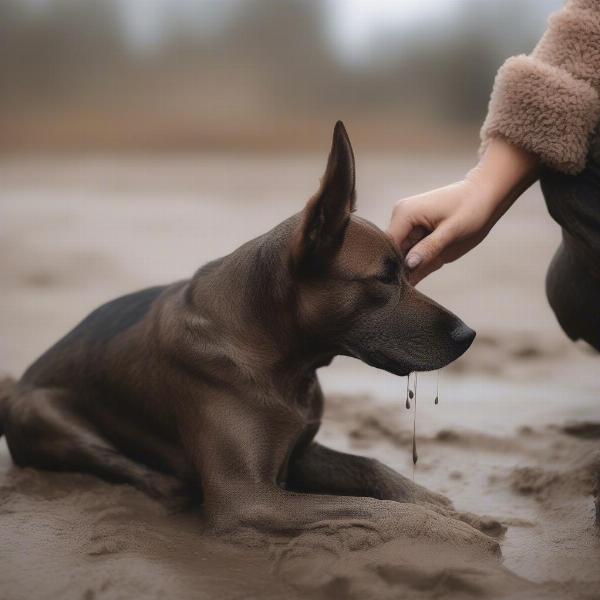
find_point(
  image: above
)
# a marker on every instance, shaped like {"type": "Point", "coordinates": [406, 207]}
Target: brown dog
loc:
{"type": "Point", "coordinates": [210, 383]}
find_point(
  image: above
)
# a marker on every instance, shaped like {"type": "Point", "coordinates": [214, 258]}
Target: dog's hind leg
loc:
{"type": "Point", "coordinates": [318, 469]}
{"type": "Point", "coordinates": [43, 432]}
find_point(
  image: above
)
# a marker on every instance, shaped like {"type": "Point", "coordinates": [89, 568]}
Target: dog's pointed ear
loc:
{"type": "Point", "coordinates": [327, 213]}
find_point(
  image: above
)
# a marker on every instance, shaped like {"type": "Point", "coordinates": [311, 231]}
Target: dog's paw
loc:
{"type": "Point", "coordinates": [414, 493]}
{"type": "Point", "coordinates": [484, 523]}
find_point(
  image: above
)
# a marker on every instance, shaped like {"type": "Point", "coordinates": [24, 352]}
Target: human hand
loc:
{"type": "Point", "coordinates": [440, 226]}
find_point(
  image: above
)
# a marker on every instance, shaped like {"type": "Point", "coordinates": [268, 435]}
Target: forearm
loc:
{"type": "Point", "coordinates": [503, 173]}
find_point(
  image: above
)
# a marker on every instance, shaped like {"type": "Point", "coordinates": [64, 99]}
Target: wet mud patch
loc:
{"type": "Point", "coordinates": [75, 536]}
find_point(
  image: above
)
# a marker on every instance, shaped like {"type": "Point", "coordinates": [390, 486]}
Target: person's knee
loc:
{"type": "Point", "coordinates": [574, 296]}
{"type": "Point", "coordinates": [557, 291]}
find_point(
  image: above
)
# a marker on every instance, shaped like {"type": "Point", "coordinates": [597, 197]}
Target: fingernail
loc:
{"type": "Point", "coordinates": [413, 260]}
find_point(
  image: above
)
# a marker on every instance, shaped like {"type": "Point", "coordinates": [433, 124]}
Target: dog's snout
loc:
{"type": "Point", "coordinates": [463, 335]}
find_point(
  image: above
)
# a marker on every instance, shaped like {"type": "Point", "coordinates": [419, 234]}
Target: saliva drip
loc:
{"type": "Point", "coordinates": [415, 456]}
{"type": "Point", "coordinates": [411, 394]}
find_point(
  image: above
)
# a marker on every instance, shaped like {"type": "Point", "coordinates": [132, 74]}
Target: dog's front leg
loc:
{"type": "Point", "coordinates": [318, 469]}
{"type": "Point", "coordinates": [238, 456]}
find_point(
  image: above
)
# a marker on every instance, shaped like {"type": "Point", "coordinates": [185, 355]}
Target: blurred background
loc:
{"type": "Point", "coordinates": [142, 138]}
{"type": "Point", "coordinates": [170, 75]}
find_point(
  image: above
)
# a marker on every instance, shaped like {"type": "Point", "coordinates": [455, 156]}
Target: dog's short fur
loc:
{"type": "Point", "coordinates": [210, 385]}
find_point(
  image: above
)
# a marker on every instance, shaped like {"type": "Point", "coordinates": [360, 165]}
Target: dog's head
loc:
{"type": "Point", "coordinates": [350, 287]}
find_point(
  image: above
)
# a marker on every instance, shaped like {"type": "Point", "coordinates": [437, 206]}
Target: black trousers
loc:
{"type": "Point", "coordinates": [573, 278]}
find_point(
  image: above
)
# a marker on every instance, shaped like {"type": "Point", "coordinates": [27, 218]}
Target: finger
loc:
{"type": "Point", "coordinates": [416, 234]}
{"type": "Point", "coordinates": [414, 277]}
{"type": "Point", "coordinates": [428, 250]}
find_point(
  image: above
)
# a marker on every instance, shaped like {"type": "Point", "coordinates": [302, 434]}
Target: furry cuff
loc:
{"type": "Point", "coordinates": [572, 42]}
{"type": "Point", "coordinates": [543, 109]}
{"type": "Point", "coordinates": [584, 4]}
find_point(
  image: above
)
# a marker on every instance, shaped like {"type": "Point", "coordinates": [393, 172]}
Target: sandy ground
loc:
{"type": "Point", "coordinates": [75, 232]}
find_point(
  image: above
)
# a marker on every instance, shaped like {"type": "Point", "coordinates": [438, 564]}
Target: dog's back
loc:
{"type": "Point", "coordinates": [80, 350]}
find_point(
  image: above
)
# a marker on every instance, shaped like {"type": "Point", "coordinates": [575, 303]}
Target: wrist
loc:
{"type": "Point", "coordinates": [503, 173]}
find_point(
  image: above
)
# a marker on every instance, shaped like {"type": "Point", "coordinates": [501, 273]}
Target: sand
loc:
{"type": "Point", "coordinates": [514, 441]}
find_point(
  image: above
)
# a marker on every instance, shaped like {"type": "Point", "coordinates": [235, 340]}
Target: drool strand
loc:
{"type": "Point", "coordinates": [407, 392]}
{"type": "Point", "coordinates": [414, 440]}
{"type": "Point", "coordinates": [437, 387]}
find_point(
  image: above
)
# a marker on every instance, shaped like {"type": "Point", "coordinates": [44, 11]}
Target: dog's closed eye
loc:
{"type": "Point", "coordinates": [389, 273]}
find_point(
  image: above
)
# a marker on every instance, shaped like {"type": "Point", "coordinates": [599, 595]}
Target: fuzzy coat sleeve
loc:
{"type": "Point", "coordinates": [549, 102]}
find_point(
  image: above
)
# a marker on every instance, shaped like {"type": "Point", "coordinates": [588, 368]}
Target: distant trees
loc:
{"type": "Point", "coordinates": [255, 57]}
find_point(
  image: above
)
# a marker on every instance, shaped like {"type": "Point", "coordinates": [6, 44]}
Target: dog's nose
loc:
{"type": "Point", "coordinates": [462, 335]}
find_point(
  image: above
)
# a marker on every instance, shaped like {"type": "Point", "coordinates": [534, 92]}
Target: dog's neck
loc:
{"type": "Point", "coordinates": [242, 307]}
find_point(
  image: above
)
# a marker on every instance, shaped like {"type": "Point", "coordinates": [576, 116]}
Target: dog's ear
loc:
{"type": "Point", "coordinates": [327, 213]}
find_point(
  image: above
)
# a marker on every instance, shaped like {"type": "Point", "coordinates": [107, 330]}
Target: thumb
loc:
{"type": "Point", "coordinates": [427, 252]}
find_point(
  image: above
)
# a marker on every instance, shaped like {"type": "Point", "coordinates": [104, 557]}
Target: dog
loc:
{"type": "Point", "coordinates": [208, 388]}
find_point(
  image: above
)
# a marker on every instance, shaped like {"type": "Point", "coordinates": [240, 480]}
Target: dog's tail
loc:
{"type": "Point", "coordinates": [6, 386]}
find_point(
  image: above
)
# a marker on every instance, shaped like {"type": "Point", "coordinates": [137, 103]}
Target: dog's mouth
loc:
{"type": "Point", "coordinates": [380, 360]}
{"type": "Point", "coordinates": [400, 367]}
